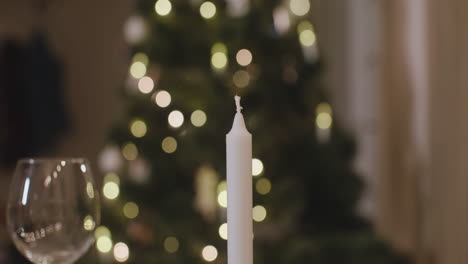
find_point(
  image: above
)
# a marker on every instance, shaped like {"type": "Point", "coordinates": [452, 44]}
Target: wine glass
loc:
{"type": "Point", "coordinates": [53, 209]}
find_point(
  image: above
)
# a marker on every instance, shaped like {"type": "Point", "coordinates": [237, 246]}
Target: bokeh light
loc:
{"type": "Point", "coordinates": [111, 190]}
{"type": "Point", "coordinates": [141, 57]}
{"type": "Point", "coordinates": [163, 7]}
{"type": "Point", "coordinates": [176, 119]}
{"type": "Point", "coordinates": [121, 252]}
{"type": "Point", "coordinates": [222, 186]}
{"type": "Point", "coordinates": [134, 29]}
{"type": "Point", "coordinates": [259, 213]}
{"type": "Point", "coordinates": [102, 231]}
{"type": "Point", "coordinates": [257, 167]}
{"type": "Point", "coordinates": [209, 253]}
{"type": "Point", "coordinates": [218, 47]}
{"type": "Point", "coordinates": [223, 231]}
{"type": "Point", "coordinates": [171, 244]}
{"type": "Point", "coordinates": [163, 99]}
{"type": "Point", "coordinates": [281, 20]}
{"type": "Point", "coordinates": [304, 25]}
{"type": "Point", "coordinates": [169, 145]}
{"type": "Point", "coordinates": [244, 57]}
{"type": "Point", "coordinates": [307, 38]}
{"type": "Point", "coordinates": [138, 70]}
{"type": "Point", "coordinates": [146, 85]}
{"type": "Point", "coordinates": [263, 186]}
{"type": "Point", "coordinates": [219, 60]}
{"type": "Point", "coordinates": [324, 119]}
{"type": "Point", "coordinates": [131, 210]}
{"type": "Point", "coordinates": [111, 177]}
{"type": "Point", "coordinates": [130, 151]}
{"type": "Point", "coordinates": [104, 244]}
{"type": "Point", "coordinates": [208, 10]}
{"type": "Point", "coordinates": [241, 79]}
{"type": "Point", "coordinates": [88, 223]}
{"type": "Point", "coordinates": [198, 118]}
{"type": "Point", "coordinates": [138, 128]}
{"type": "Point", "coordinates": [222, 199]}
{"type": "Point", "coordinates": [299, 7]}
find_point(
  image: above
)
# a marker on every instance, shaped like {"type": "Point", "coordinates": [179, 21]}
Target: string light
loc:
{"type": "Point", "coordinates": [198, 118]}
{"type": "Point", "coordinates": [138, 128]}
{"type": "Point", "coordinates": [138, 69]}
{"type": "Point", "coordinates": [299, 7]}
{"type": "Point", "coordinates": [209, 253]}
{"type": "Point", "coordinates": [131, 210]}
{"type": "Point", "coordinates": [241, 79]}
{"type": "Point", "coordinates": [163, 7]}
{"type": "Point", "coordinates": [104, 244]}
{"type": "Point", "coordinates": [111, 190]}
{"type": "Point", "coordinates": [257, 167]}
{"type": "Point", "coordinates": [244, 57]}
{"type": "Point", "coordinates": [88, 223]}
{"type": "Point", "coordinates": [259, 213]}
{"type": "Point", "coordinates": [223, 231]}
{"type": "Point", "coordinates": [169, 145]}
{"type": "Point", "coordinates": [222, 199]}
{"type": "Point", "coordinates": [176, 119]}
{"type": "Point", "coordinates": [146, 85]}
{"type": "Point", "coordinates": [163, 99]}
{"type": "Point", "coordinates": [171, 244]}
{"type": "Point", "coordinates": [121, 252]}
{"type": "Point", "coordinates": [208, 10]}
{"type": "Point", "coordinates": [324, 118]}
{"type": "Point", "coordinates": [130, 151]}
{"type": "Point", "coordinates": [263, 186]}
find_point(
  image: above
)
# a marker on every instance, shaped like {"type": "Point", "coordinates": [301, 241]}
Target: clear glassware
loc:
{"type": "Point", "coordinates": [53, 209]}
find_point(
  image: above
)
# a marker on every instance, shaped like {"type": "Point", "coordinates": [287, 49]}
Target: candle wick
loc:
{"type": "Point", "coordinates": [238, 106]}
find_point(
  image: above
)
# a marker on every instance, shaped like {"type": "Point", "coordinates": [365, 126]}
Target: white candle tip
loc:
{"type": "Point", "coordinates": [238, 106]}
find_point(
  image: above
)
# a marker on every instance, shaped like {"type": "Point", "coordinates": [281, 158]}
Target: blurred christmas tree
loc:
{"type": "Point", "coordinates": [164, 189]}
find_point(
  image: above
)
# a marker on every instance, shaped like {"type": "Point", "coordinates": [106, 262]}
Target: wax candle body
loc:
{"type": "Point", "coordinates": [239, 187]}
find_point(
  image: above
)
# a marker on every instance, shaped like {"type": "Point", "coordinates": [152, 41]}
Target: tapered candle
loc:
{"type": "Point", "coordinates": [239, 188]}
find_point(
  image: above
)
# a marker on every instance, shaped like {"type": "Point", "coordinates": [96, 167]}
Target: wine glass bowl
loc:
{"type": "Point", "coordinates": [53, 209]}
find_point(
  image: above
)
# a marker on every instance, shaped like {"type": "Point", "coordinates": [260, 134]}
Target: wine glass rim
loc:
{"type": "Point", "coordinates": [52, 159]}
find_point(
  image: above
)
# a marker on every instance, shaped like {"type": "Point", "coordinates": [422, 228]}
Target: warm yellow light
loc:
{"type": "Point", "coordinates": [111, 190]}
{"type": "Point", "coordinates": [208, 10]}
{"type": "Point", "coordinates": [259, 213]}
{"type": "Point", "coordinates": [171, 244]}
{"type": "Point", "coordinates": [257, 167]}
{"type": "Point", "coordinates": [89, 189]}
{"type": "Point", "coordinates": [304, 25]}
{"type": "Point", "coordinates": [324, 119]}
{"type": "Point", "coordinates": [146, 85]}
{"type": "Point", "coordinates": [219, 60]}
{"type": "Point", "coordinates": [138, 69]}
{"type": "Point", "coordinates": [102, 231]}
{"type": "Point", "coordinates": [163, 99]}
{"type": "Point", "coordinates": [169, 145]}
{"type": "Point", "coordinates": [121, 252]}
{"type": "Point", "coordinates": [175, 119]}
{"type": "Point", "coordinates": [111, 177]}
{"type": "Point", "coordinates": [307, 38]}
{"type": "Point", "coordinates": [88, 223]}
{"type": "Point", "coordinates": [104, 244]}
{"type": "Point", "coordinates": [263, 186]}
{"type": "Point", "coordinates": [198, 118]}
{"type": "Point", "coordinates": [299, 7]}
{"type": "Point", "coordinates": [218, 47]}
{"type": "Point", "coordinates": [222, 186]}
{"type": "Point", "coordinates": [222, 199]}
{"type": "Point", "coordinates": [163, 7]}
{"type": "Point", "coordinates": [223, 231]}
{"type": "Point", "coordinates": [130, 151]}
{"type": "Point", "coordinates": [131, 210]}
{"type": "Point", "coordinates": [138, 128]}
{"type": "Point", "coordinates": [141, 57]}
{"type": "Point", "coordinates": [241, 79]}
{"type": "Point", "coordinates": [244, 57]}
{"type": "Point", "coordinates": [209, 253]}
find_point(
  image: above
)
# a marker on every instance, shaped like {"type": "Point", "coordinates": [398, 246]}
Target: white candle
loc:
{"type": "Point", "coordinates": [239, 187]}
